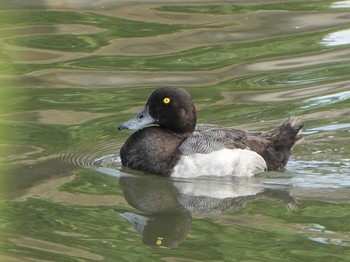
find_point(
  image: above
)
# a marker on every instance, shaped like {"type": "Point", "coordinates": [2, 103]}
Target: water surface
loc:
{"type": "Point", "coordinates": [71, 71]}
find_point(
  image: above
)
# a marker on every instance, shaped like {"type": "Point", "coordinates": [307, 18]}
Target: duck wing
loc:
{"type": "Point", "coordinates": [210, 138]}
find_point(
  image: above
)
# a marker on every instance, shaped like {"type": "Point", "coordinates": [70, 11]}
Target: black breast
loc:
{"type": "Point", "coordinates": [152, 149]}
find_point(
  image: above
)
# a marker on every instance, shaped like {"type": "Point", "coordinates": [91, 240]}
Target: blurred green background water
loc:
{"type": "Point", "coordinates": [71, 71]}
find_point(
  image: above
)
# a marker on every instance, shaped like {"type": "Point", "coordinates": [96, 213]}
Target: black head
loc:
{"type": "Point", "coordinates": [169, 107]}
{"type": "Point", "coordinates": [173, 109]}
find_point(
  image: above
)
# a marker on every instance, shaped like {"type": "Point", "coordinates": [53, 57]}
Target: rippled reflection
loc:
{"type": "Point", "coordinates": [326, 100]}
{"type": "Point", "coordinates": [337, 38]}
{"type": "Point", "coordinates": [72, 70]}
{"type": "Point", "coordinates": [341, 4]}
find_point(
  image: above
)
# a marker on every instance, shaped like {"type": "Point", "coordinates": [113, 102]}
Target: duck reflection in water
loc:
{"type": "Point", "coordinates": [167, 205]}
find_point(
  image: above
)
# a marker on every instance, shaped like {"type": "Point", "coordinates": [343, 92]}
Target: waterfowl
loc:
{"type": "Point", "coordinates": [169, 142]}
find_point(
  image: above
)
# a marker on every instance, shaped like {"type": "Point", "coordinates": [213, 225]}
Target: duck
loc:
{"type": "Point", "coordinates": [169, 142]}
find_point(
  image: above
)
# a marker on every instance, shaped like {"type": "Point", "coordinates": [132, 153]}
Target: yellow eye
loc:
{"type": "Point", "coordinates": [166, 100]}
{"type": "Point", "coordinates": [159, 241]}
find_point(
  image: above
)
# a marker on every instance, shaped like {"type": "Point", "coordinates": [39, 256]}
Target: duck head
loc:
{"type": "Point", "coordinates": [169, 107]}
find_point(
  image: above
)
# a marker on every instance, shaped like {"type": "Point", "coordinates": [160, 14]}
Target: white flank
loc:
{"type": "Point", "coordinates": [225, 162]}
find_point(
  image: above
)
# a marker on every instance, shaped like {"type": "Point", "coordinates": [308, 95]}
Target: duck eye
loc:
{"type": "Point", "coordinates": [159, 241]}
{"type": "Point", "coordinates": [166, 100]}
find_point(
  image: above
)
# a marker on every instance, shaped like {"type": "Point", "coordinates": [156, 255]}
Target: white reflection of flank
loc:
{"type": "Point", "coordinates": [217, 190]}
{"type": "Point", "coordinates": [337, 38]}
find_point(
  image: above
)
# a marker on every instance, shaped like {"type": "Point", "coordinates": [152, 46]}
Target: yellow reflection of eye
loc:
{"type": "Point", "coordinates": [166, 100]}
{"type": "Point", "coordinates": [159, 241]}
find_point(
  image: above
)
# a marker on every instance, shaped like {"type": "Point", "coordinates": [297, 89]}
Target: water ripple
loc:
{"type": "Point", "coordinates": [337, 38]}
{"type": "Point", "coordinates": [320, 101]}
{"type": "Point", "coordinates": [90, 156]}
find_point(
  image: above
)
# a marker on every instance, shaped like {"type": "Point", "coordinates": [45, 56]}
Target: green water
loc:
{"type": "Point", "coordinates": [72, 71]}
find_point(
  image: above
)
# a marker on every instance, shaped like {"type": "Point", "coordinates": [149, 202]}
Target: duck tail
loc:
{"type": "Point", "coordinates": [280, 142]}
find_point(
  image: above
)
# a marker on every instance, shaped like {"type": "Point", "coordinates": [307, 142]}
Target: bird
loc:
{"type": "Point", "coordinates": [168, 141]}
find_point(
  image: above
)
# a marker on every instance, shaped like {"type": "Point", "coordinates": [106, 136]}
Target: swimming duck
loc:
{"type": "Point", "coordinates": [169, 142]}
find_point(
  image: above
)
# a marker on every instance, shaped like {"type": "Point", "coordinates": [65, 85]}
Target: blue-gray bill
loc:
{"type": "Point", "coordinates": [140, 120]}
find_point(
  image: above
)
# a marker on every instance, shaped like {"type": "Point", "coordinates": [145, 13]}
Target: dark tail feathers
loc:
{"type": "Point", "coordinates": [280, 142]}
